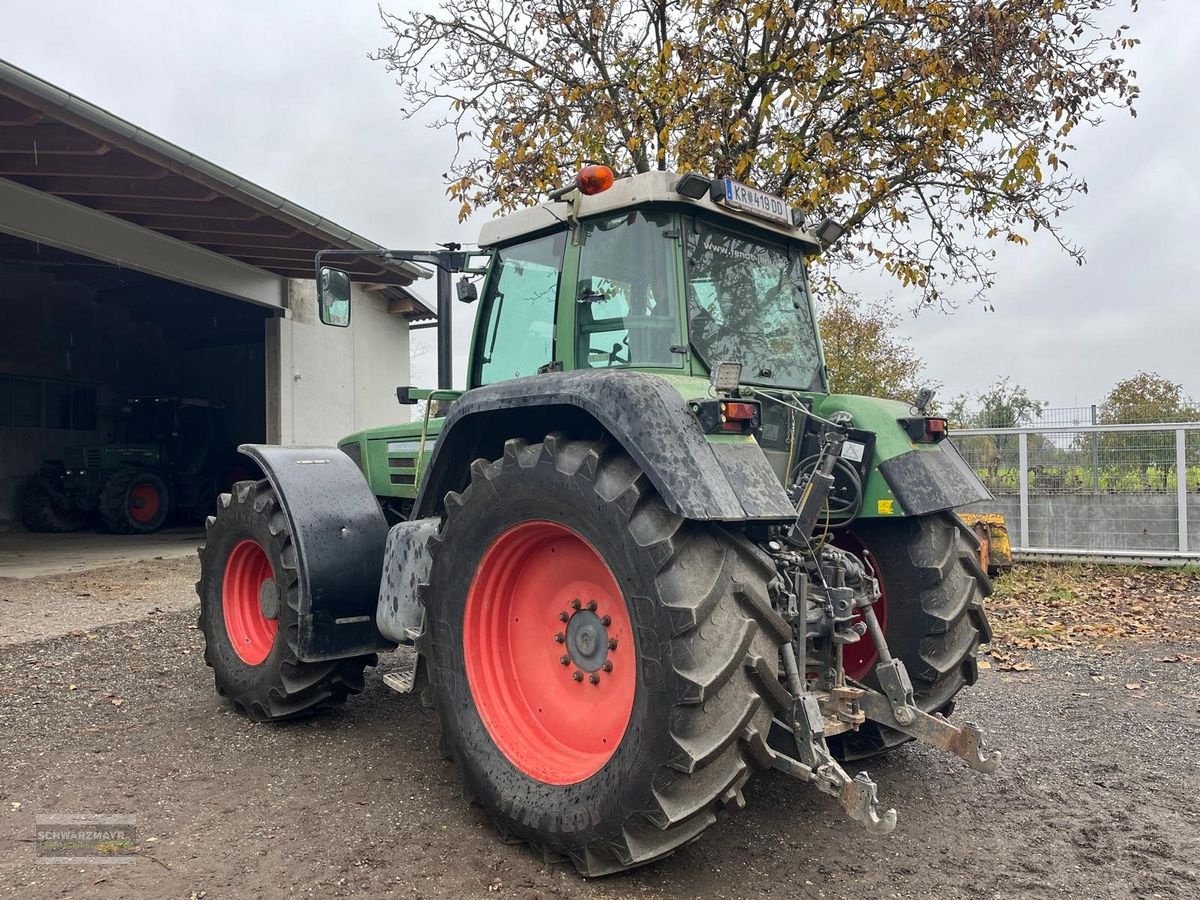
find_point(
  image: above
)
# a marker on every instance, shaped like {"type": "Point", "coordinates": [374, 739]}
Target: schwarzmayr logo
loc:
{"type": "Point", "coordinates": [80, 839]}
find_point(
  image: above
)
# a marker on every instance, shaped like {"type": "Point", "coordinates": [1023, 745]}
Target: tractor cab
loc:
{"type": "Point", "coordinates": [658, 287]}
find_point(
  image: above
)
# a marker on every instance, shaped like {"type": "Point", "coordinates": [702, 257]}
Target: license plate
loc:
{"type": "Point", "coordinates": [756, 202]}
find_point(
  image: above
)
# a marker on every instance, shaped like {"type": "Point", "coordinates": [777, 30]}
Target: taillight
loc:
{"type": "Point", "coordinates": [924, 429]}
{"type": "Point", "coordinates": [737, 414]}
{"type": "Point", "coordinates": [728, 416]}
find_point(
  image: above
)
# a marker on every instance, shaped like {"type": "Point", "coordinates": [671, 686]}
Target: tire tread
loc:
{"type": "Point", "coordinates": [714, 587]}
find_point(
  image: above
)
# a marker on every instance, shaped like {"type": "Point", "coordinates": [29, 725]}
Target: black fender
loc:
{"type": "Point", "coordinates": [339, 534]}
{"type": "Point", "coordinates": [927, 482]}
{"type": "Point", "coordinates": [730, 482]}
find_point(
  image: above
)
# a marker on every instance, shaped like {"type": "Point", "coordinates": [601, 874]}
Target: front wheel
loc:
{"type": "Point", "coordinates": [931, 612]}
{"type": "Point", "coordinates": [134, 501]}
{"type": "Point", "coordinates": [604, 671]}
{"type": "Point", "coordinates": [249, 614]}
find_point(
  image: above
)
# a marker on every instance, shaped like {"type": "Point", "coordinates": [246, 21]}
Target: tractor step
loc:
{"type": "Point", "coordinates": [402, 681]}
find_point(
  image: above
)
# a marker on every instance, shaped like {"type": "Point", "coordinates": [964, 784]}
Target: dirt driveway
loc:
{"type": "Point", "coordinates": [1097, 796]}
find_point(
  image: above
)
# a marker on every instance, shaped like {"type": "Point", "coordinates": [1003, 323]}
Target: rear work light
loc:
{"type": "Point", "coordinates": [924, 429]}
{"type": "Point", "coordinates": [594, 179]}
{"type": "Point", "coordinates": [727, 416]}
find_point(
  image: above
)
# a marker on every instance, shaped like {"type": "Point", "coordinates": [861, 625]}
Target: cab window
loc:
{"type": "Point", "coordinates": [518, 332]}
{"type": "Point", "coordinates": [627, 302]}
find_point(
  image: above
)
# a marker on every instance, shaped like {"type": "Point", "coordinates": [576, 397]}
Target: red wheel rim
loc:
{"type": "Point", "coordinates": [143, 502]}
{"type": "Point", "coordinates": [542, 595]}
{"type": "Point", "coordinates": [859, 658]}
{"type": "Point", "coordinates": [250, 632]}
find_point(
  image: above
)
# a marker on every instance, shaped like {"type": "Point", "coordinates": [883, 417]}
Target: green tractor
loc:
{"type": "Point", "coordinates": [174, 455]}
{"type": "Point", "coordinates": [644, 554]}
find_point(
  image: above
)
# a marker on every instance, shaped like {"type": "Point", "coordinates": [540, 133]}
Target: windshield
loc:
{"type": "Point", "coordinates": [149, 422]}
{"type": "Point", "coordinates": [748, 302]}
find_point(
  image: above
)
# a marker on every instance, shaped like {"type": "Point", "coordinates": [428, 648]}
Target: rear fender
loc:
{"type": "Point", "coordinates": [729, 481]}
{"type": "Point", "coordinates": [339, 534]}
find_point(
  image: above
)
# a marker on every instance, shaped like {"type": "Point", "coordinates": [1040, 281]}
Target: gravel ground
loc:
{"type": "Point", "coordinates": [32, 608]}
{"type": "Point", "coordinates": [1096, 798]}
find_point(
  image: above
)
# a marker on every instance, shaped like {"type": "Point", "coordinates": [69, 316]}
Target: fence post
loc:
{"type": "Point", "coordinates": [1181, 486]}
{"type": "Point", "coordinates": [1023, 482]}
{"type": "Point", "coordinates": [1095, 455]}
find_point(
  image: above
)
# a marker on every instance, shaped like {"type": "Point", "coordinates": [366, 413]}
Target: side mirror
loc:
{"type": "Point", "coordinates": [333, 297]}
{"type": "Point", "coordinates": [467, 292]}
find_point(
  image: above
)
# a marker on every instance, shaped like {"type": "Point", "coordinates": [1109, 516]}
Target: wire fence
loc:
{"type": "Point", "coordinates": [1066, 417]}
{"type": "Point", "coordinates": [1084, 490]}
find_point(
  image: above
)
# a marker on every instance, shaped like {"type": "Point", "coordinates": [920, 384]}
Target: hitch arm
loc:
{"type": "Point", "coordinates": [858, 796]}
{"type": "Point", "coordinates": [965, 741]}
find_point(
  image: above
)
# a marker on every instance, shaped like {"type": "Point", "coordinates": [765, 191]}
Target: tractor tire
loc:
{"type": "Point", "coordinates": [134, 501]}
{"type": "Point", "coordinates": [41, 509]}
{"type": "Point", "coordinates": [249, 614]}
{"type": "Point", "coordinates": [932, 616]}
{"type": "Point", "coordinates": [633, 700]}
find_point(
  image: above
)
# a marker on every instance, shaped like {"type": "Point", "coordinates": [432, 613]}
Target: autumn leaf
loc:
{"type": "Point", "coordinates": [932, 129]}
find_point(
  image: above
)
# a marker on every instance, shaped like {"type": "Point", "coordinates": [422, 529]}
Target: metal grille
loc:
{"type": "Point", "coordinates": [1093, 490]}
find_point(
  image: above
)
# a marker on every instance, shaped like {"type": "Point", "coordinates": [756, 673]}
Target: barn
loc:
{"type": "Point", "coordinates": [140, 282]}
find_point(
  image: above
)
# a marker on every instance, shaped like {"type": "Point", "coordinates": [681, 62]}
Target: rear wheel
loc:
{"type": "Point", "coordinates": [43, 509]}
{"type": "Point", "coordinates": [249, 606]}
{"type": "Point", "coordinates": [604, 671]}
{"type": "Point", "coordinates": [134, 501]}
{"type": "Point", "coordinates": [931, 610]}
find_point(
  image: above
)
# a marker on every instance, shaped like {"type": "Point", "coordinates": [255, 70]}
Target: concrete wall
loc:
{"type": "Point", "coordinates": [1140, 522]}
{"type": "Point", "coordinates": [324, 382]}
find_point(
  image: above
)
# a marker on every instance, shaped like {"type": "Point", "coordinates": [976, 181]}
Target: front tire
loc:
{"type": "Point", "coordinates": [249, 614]}
{"type": "Point", "coordinates": [135, 501]}
{"type": "Point", "coordinates": [933, 593]}
{"type": "Point", "coordinates": [612, 768]}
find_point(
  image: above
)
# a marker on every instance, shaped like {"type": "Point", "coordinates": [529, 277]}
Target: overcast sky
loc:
{"type": "Point", "coordinates": [281, 92]}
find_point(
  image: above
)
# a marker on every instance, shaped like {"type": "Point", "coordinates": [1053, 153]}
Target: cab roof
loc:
{"type": "Point", "coordinates": [630, 192]}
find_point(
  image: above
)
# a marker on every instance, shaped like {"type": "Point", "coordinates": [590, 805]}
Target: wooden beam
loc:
{"type": "Point", "coordinates": [276, 254]}
{"type": "Point", "coordinates": [172, 188]}
{"type": "Point", "coordinates": [177, 225]}
{"type": "Point", "coordinates": [116, 164]}
{"type": "Point", "coordinates": [49, 139]}
{"type": "Point", "coordinates": [236, 243]}
{"type": "Point", "coordinates": [298, 270]}
{"type": "Point", "coordinates": [14, 113]}
{"type": "Point", "coordinates": [217, 208]}
{"type": "Point", "coordinates": [403, 306]}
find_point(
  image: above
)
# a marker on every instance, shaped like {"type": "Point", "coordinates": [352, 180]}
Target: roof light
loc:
{"type": "Point", "coordinates": [594, 179]}
{"type": "Point", "coordinates": [829, 232]}
{"type": "Point", "coordinates": [693, 186]}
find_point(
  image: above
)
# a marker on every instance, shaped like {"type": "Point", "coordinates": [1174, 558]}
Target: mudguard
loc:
{"type": "Point", "coordinates": [927, 481]}
{"type": "Point", "coordinates": [697, 479]}
{"type": "Point", "coordinates": [339, 534]}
